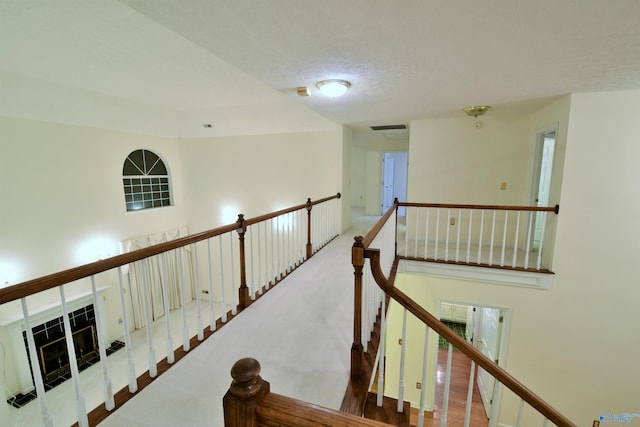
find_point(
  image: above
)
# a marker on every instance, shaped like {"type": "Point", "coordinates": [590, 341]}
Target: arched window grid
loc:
{"type": "Point", "coordinates": [146, 181]}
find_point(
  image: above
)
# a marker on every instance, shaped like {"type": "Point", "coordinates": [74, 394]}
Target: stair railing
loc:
{"type": "Point", "coordinates": [371, 256]}
{"type": "Point", "coordinates": [229, 272]}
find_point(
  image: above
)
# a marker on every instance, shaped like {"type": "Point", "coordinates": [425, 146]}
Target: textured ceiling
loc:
{"type": "Point", "coordinates": [237, 63]}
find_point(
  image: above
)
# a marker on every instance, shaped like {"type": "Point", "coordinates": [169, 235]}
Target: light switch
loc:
{"type": "Point", "coordinates": [503, 186]}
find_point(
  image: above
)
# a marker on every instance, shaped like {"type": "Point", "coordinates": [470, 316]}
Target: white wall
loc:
{"type": "Point", "coordinates": [258, 174]}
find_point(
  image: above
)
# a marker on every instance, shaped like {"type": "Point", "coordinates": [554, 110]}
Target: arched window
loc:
{"type": "Point", "coordinates": [146, 181]}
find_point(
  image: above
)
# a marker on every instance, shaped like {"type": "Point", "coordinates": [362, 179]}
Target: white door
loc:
{"type": "Point", "coordinates": [489, 344]}
{"type": "Point", "coordinates": [387, 181]}
{"type": "Point", "coordinates": [545, 149]}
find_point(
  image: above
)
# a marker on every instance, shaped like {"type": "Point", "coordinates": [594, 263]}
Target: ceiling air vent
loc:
{"type": "Point", "coordinates": [389, 127]}
{"type": "Point", "coordinates": [392, 132]}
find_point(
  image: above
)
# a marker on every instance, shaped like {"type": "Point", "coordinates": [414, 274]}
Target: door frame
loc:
{"type": "Point", "coordinates": [505, 332]}
{"type": "Point", "coordinates": [534, 188]}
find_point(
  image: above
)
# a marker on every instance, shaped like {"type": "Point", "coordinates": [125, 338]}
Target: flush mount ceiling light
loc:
{"type": "Point", "coordinates": [476, 111]}
{"type": "Point", "coordinates": [333, 87]}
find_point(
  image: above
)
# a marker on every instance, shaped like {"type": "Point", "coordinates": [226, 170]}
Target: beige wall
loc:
{"type": "Point", "coordinates": [257, 174]}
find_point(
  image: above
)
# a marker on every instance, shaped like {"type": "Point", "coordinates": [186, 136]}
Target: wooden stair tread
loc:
{"type": "Point", "coordinates": [387, 413]}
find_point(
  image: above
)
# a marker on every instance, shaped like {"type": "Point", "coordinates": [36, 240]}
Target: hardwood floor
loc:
{"type": "Point", "coordinates": [460, 370]}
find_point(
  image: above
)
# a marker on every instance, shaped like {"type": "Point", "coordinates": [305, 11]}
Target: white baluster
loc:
{"type": "Point", "coordinates": [458, 236]}
{"type": "Point", "coordinates": [447, 385]}
{"type": "Point", "coordinates": [426, 234]}
{"type": "Point", "coordinates": [515, 243]}
{"type": "Point", "coordinates": [260, 277]}
{"type": "Point", "coordinates": [277, 253]}
{"type": "Point", "coordinates": [528, 245]}
{"type": "Point", "coordinates": [200, 323]}
{"type": "Point", "coordinates": [504, 237]}
{"type": "Point", "coordinates": [151, 352]}
{"type": "Point", "coordinates": [222, 290]}
{"type": "Point", "coordinates": [252, 287]}
{"type": "Point", "coordinates": [35, 366]}
{"type": "Point", "coordinates": [102, 346]}
{"type": "Point", "coordinates": [469, 236]}
{"type": "Point", "coordinates": [480, 238]}
{"type": "Point", "coordinates": [435, 256]}
{"type": "Point", "coordinates": [167, 309]}
{"type": "Point", "coordinates": [406, 236]}
{"type": "Point", "coordinates": [446, 242]}
{"type": "Point", "coordinates": [383, 329]}
{"type": "Point", "coordinates": [234, 288]}
{"type": "Point", "coordinates": [493, 234]}
{"type": "Point", "coordinates": [272, 279]}
{"type": "Point", "coordinates": [423, 388]}
{"type": "Point", "coordinates": [186, 345]}
{"type": "Point", "coordinates": [416, 232]}
{"type": "Point", "coordinates": [542, 232]}
{"type": "Point", "coordinates": [545, 422]}
{"type": "Point", "coordinates": [403, 351]}
{"type": "Point", "coordinates": [520, 408]}
{"type": "Point", "coordinates": [212, 311]}
{"type": "Point", "coordinates": [467, 411]}
{"type": "Point", "coordinates": [131, 369]}
{"type": "Point", "coordinates": [81, 409]}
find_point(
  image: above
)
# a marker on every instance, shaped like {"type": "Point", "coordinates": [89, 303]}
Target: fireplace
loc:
{"type": "Point", "coordinates": [51, 345]}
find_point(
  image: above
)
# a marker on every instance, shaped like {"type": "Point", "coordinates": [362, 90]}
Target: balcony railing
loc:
{"type": "Point", "coordinates": [510, 237]}
{"type": "Point", "coordinates": [223, 270]}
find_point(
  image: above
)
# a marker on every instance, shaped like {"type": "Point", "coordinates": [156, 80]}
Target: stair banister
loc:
{"type": "Point", "coordinates": [474, 354]}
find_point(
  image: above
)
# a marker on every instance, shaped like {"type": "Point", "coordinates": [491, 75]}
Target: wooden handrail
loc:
{"type": "Point", "coordinates": [368, 239]}
{"type": "Point", "coordinates": [555, 209]}
{"type": "Point", "coordinates": [34, 286]}
{"type": "Point", "coordinates": [250, 403]}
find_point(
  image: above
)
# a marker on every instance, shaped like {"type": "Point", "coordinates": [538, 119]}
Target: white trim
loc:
{"type": "Point", "coordinates": [518, 278]}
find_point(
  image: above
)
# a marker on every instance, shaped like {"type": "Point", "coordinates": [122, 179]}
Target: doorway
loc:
{"type": "Point", "coordinates": [484, 327]}
{"type": "Point", "coordinates": [541, 183]}
{"type": "Point", "coordinates": [394, 179]}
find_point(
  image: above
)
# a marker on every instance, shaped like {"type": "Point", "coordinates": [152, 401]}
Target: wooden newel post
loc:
{"type": "Point", "coordinates": [240, 401]}
{"type": "Point", "coordinates": [357, 352]}
{"type": "Point", "coordinates": [243, 297]}
{"type": "Point", "coordinates": [309, 246]}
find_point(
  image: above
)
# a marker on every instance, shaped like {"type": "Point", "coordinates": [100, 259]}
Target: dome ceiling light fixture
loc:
{"type": "Point", "coordinates": [333, 87]}
{"type": "Point", "coordinates": [476, 110]}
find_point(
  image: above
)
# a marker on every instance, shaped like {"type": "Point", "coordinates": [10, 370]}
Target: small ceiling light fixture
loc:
{"type": "Point", "coordinates": [477, 110]}
{"type": "Point", "coordinates": [333, 87]}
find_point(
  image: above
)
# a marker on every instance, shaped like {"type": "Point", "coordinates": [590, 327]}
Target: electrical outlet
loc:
{"type": "Point", "coordinates": [419, 385]}
{"type": "Point", "coordinates": [452, 221]}
{"type": "Point", "coordinates": [503, 186]}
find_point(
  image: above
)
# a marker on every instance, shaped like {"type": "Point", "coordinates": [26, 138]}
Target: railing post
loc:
{"type": "Point", "coordinates": [357, 259]}
{"type": "Point", "coordinates": [240, 401]}
{"type": "Point", "coordinates": [309, 246]}
{"type": "Point", "coordinates": [243, 292]}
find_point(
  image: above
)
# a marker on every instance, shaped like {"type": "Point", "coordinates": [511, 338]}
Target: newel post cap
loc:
{"type": "Point", "coordinates": [246, 378]}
